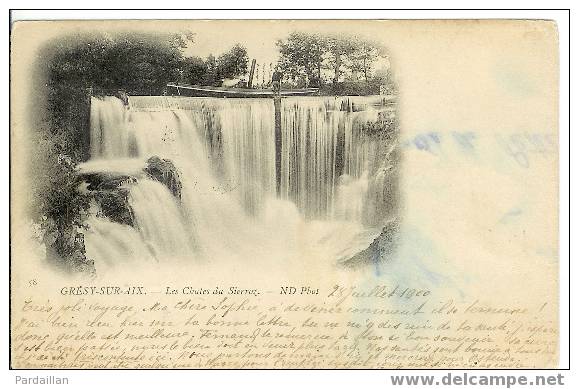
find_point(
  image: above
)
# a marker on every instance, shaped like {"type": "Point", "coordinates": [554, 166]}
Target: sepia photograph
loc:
{"type": "Point", "coordinates": [284, 194]}
{"type": "Point", "coordinates": [154, 149]}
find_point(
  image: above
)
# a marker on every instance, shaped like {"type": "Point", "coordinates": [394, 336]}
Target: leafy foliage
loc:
{"type": "Point", "coordinates": [58, 207]}
{"type": "Point", "coordinates": [211, 76]}
{"type": "Point", "coordinates": [195, 70]}
{"type": "Point", "coordinates": [307, 59]}
{"type": "Point", "coordinates": [69, 68]}
{"type": "Point", "coordinates": [139, 63]}
{"type": "Point", "coordinates": [302, 54]}
{"type": "Point", "coordinates": [233, 63]}
{"type": "Point", "coordinates": [212, 71]}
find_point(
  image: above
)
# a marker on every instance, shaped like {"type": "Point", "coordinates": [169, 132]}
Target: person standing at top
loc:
{"type": "Point", "coordinates": [276, 80]}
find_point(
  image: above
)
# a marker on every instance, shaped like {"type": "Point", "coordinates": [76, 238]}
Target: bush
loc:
{"type": "Point", "coordinates": [59, 209]}
{"type": "Point", "coordinates": [349, 88]}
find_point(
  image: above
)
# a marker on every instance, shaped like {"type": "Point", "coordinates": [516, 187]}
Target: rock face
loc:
{"type": "Point", "coordinates": [111, 194]}
{"type": "Point", "coordinates": [106, 181]}
{"type": "Point", "coordinates": [381, 248]}
{"type": "Point", "coordinates": [164, 171]}
{"type": "Point", "coordinates": [65, 247]}
{"type": "Point", "coordinates": [106, 194]}
{"type": "Point", "coordinates": [114, 205]}
{"type": "Point", "coordinates": [110, 191]}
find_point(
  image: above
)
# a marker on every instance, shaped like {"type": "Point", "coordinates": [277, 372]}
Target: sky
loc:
{"type": "Point", "coordinates": [263, 50]}
{"type": "Point", "coordinates": [258, 36]}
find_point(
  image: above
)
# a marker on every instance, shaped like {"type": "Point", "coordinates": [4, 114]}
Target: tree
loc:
{"type": "Point", "coordinates": [136, 62]}
{"type": "Point", "coordinates": [212, 73]}
{"type": "Point", "coordinates": [339, 47]}
{"type": "Point", "coordinates": [302, 55]}
{"type": "Point", "coordinates": [194, 70]}
{"type": "Point", "coordinates": [308, 55]}
{"type": "Point", "coordinates": [362, 57]}
{"type": "Point", "coordinates": [233, 63]}
{"type": "Point", "coordinates": [384, 77]}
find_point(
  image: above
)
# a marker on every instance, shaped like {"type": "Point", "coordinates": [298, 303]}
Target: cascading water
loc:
{"type": "Point", "coordinates": [326, 156]}
{"type": "Point", "coordinates": [332, 171]}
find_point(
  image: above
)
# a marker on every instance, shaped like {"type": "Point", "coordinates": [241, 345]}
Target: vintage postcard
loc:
{"type": "Point", "coordinates": [284, 194]}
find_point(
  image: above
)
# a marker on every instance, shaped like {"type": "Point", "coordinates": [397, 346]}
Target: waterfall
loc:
{"type": "Point", "coordinates": [170, 240]}
{"type": "Point", "coordinates": [325, 155]}
{"type": "Point", "coordinates": [225, 153]}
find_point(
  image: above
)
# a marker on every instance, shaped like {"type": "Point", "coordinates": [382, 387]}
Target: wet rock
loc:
{"type": "Point", "coordinates": [106, 181]}
{"type": "Point", "coordinates": [164, 171]}
{"type": "Point", "coordinates": [381, 249]}
{"type": "Point", "coordinates": [114, 204]}
{"type": "Point", "coordinates": [110, 191]}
